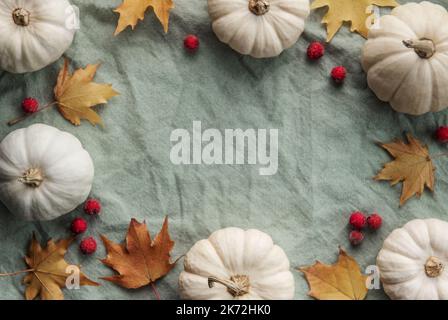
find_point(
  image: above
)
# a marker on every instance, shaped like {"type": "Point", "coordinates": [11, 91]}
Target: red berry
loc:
{"type": "Point", "coordinates": [191, 43]}
{"type": "Point", "coordinates": [79, 225]}
{"type": "Point", "coordinates": [338, 74]}
{"type": "Point", "coordinates": [88, 245]}
{"type": "Point", "coordinates": [30, 105]}
{"type": "Point", "coordinates": [358, 220]}
{"type": "Point", "coordinates": [442, 134]}
{"type": "Point", "coordinates": [92, 206]}
{"type": "Point", "coordinates": [315, 50]}
{"type": "Point", "coordinates": [356, 237]}
{"type": "Point", "coordinates": [374, 221]}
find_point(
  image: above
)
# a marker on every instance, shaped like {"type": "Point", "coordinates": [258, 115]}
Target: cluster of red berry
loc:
{"type": "Point", "coordinates": [359, 221]}
{"type": "Point", "coordinates": [316, 51]}
{"type": "Point", "coordinates": [79, 225]}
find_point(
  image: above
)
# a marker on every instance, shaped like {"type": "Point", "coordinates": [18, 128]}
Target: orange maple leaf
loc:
{"type": "Point", "coordinates": [140, 261]}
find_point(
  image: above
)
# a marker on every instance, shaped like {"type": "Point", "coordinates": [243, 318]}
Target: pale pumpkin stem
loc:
{"type": "Point", "coordinates": [259, 7]}
{"type": "Point", "coordinates": [32, 177]}
{"type": "Point", "coordinates": [433, 267]}
{"type": "Point", "coordinates": [21, 17]}
{"type": "Point", "coordinates": [237, 285]}
{"type": "Point", "coordinates": [424, 48]}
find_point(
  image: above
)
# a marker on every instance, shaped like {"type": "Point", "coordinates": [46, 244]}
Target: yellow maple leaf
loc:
{"type": "Point", "coordinates": [76, 94]}
{"type": "Point", "coordinates": [354, 11]}
{"type": "Point", "coordinates": [48, 271]}
{"type": "Point", "coordinates": [340, 281]}
{"type": "Point", "coordinates": [412, 165]}
{"type": "Point", "coordinates": [131, 11]}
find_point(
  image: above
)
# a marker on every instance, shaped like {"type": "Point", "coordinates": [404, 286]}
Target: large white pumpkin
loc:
{"type": "Point", "coordinates": [260, 28]}
{"type": "Point", "coordinates": [34, 33]}
{"type": "Point", "coordinates": [44, 172]}
{"type": "Point", "coordinates": [413, 262]}
{"type": "Point", "coordinates": [406, 58]}
{"type": "Point", "coordinates": [236, 264]}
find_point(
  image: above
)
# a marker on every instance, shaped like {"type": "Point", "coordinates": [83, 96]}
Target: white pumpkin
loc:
{"type": "Point", "coordinates": [236, 264]}
{"type": "Point", "coordinates": [406, 58]}
{"type": "Point", "coordinates": [34, 33]}
{"type": "Point", "coordinates": [413, 262]}
{"type": "Point", "coordinates": [260, 28]}
{"type": "Point", "coordinates": [44, 172]}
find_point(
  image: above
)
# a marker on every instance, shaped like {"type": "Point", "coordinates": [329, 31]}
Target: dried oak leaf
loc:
{"type": "Point", "coordinates": [412, 165]}
{"type": "Point", "coordinates": [48, 270]}
{"type": "Point", "coordinates": [131, 11]}
{"type": "Point", "coordinates": [354, 11]}
{"type": "Point", "coordinates": [76, 94]}
{"type": "Point", "coordinates": [140, 261]}
{"type": "Point", "coordinates": [340, 281]}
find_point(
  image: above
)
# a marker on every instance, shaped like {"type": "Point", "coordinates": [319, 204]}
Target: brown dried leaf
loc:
{"type": "Point", "coordinates": [76, 94]}
{"type": "Point", "coordinates": [48, 275]}
{"type": "Point", "coordinates": [131, 11]}
{"type": "Point", "coordinates": [340, 281]}
{"type": "Point", "coordinates": [140, 261]}
{"type": "Point", "coordinates": [412, 165]}
{"type": "Point", "coordinates": [355, 11]}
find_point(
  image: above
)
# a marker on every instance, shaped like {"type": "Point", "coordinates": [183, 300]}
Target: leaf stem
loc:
{"type": "Point", "coordinates": [17, 120]}
{"type": "Point", "coordinates": [15, 273]}
{"type": "Point", "coordinates": [439, 155]}
{"type": "Point", "coordinates": [154, 290]}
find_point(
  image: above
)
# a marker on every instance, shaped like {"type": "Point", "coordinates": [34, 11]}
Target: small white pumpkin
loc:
{"type": "Point", "coordinates": [406, 58]}
{"type": "Point", "coordinates": [260, 28]}
{"type": "Point", "coordinates": [34, 33]}
{"type": "Point", "coordinates": [236, 264]}
{"type": "Point", "coordinates": [44, 172]}
{"type": "Point", "coordinates": [413, 262]}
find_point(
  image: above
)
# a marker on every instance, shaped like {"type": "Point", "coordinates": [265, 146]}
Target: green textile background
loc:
{"type": "Point", "coordinates": [327, 150]}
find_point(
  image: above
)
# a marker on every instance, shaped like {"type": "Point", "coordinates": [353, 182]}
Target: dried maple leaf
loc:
{"type": "Point", "coordinates": [412, 165]}
{"type": "Point", "coordinates": [140, 261]}
{"type": "Point", "coordinates": [340, 281]}
{"type": "Point", "coordinates": [354, 11]}
{"type": "Point", "coordinates": [131, 11]}
{"type": "Point", "coordinates": [48, 270]}
{"type": "Point", "coordinates": [76, 94]}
